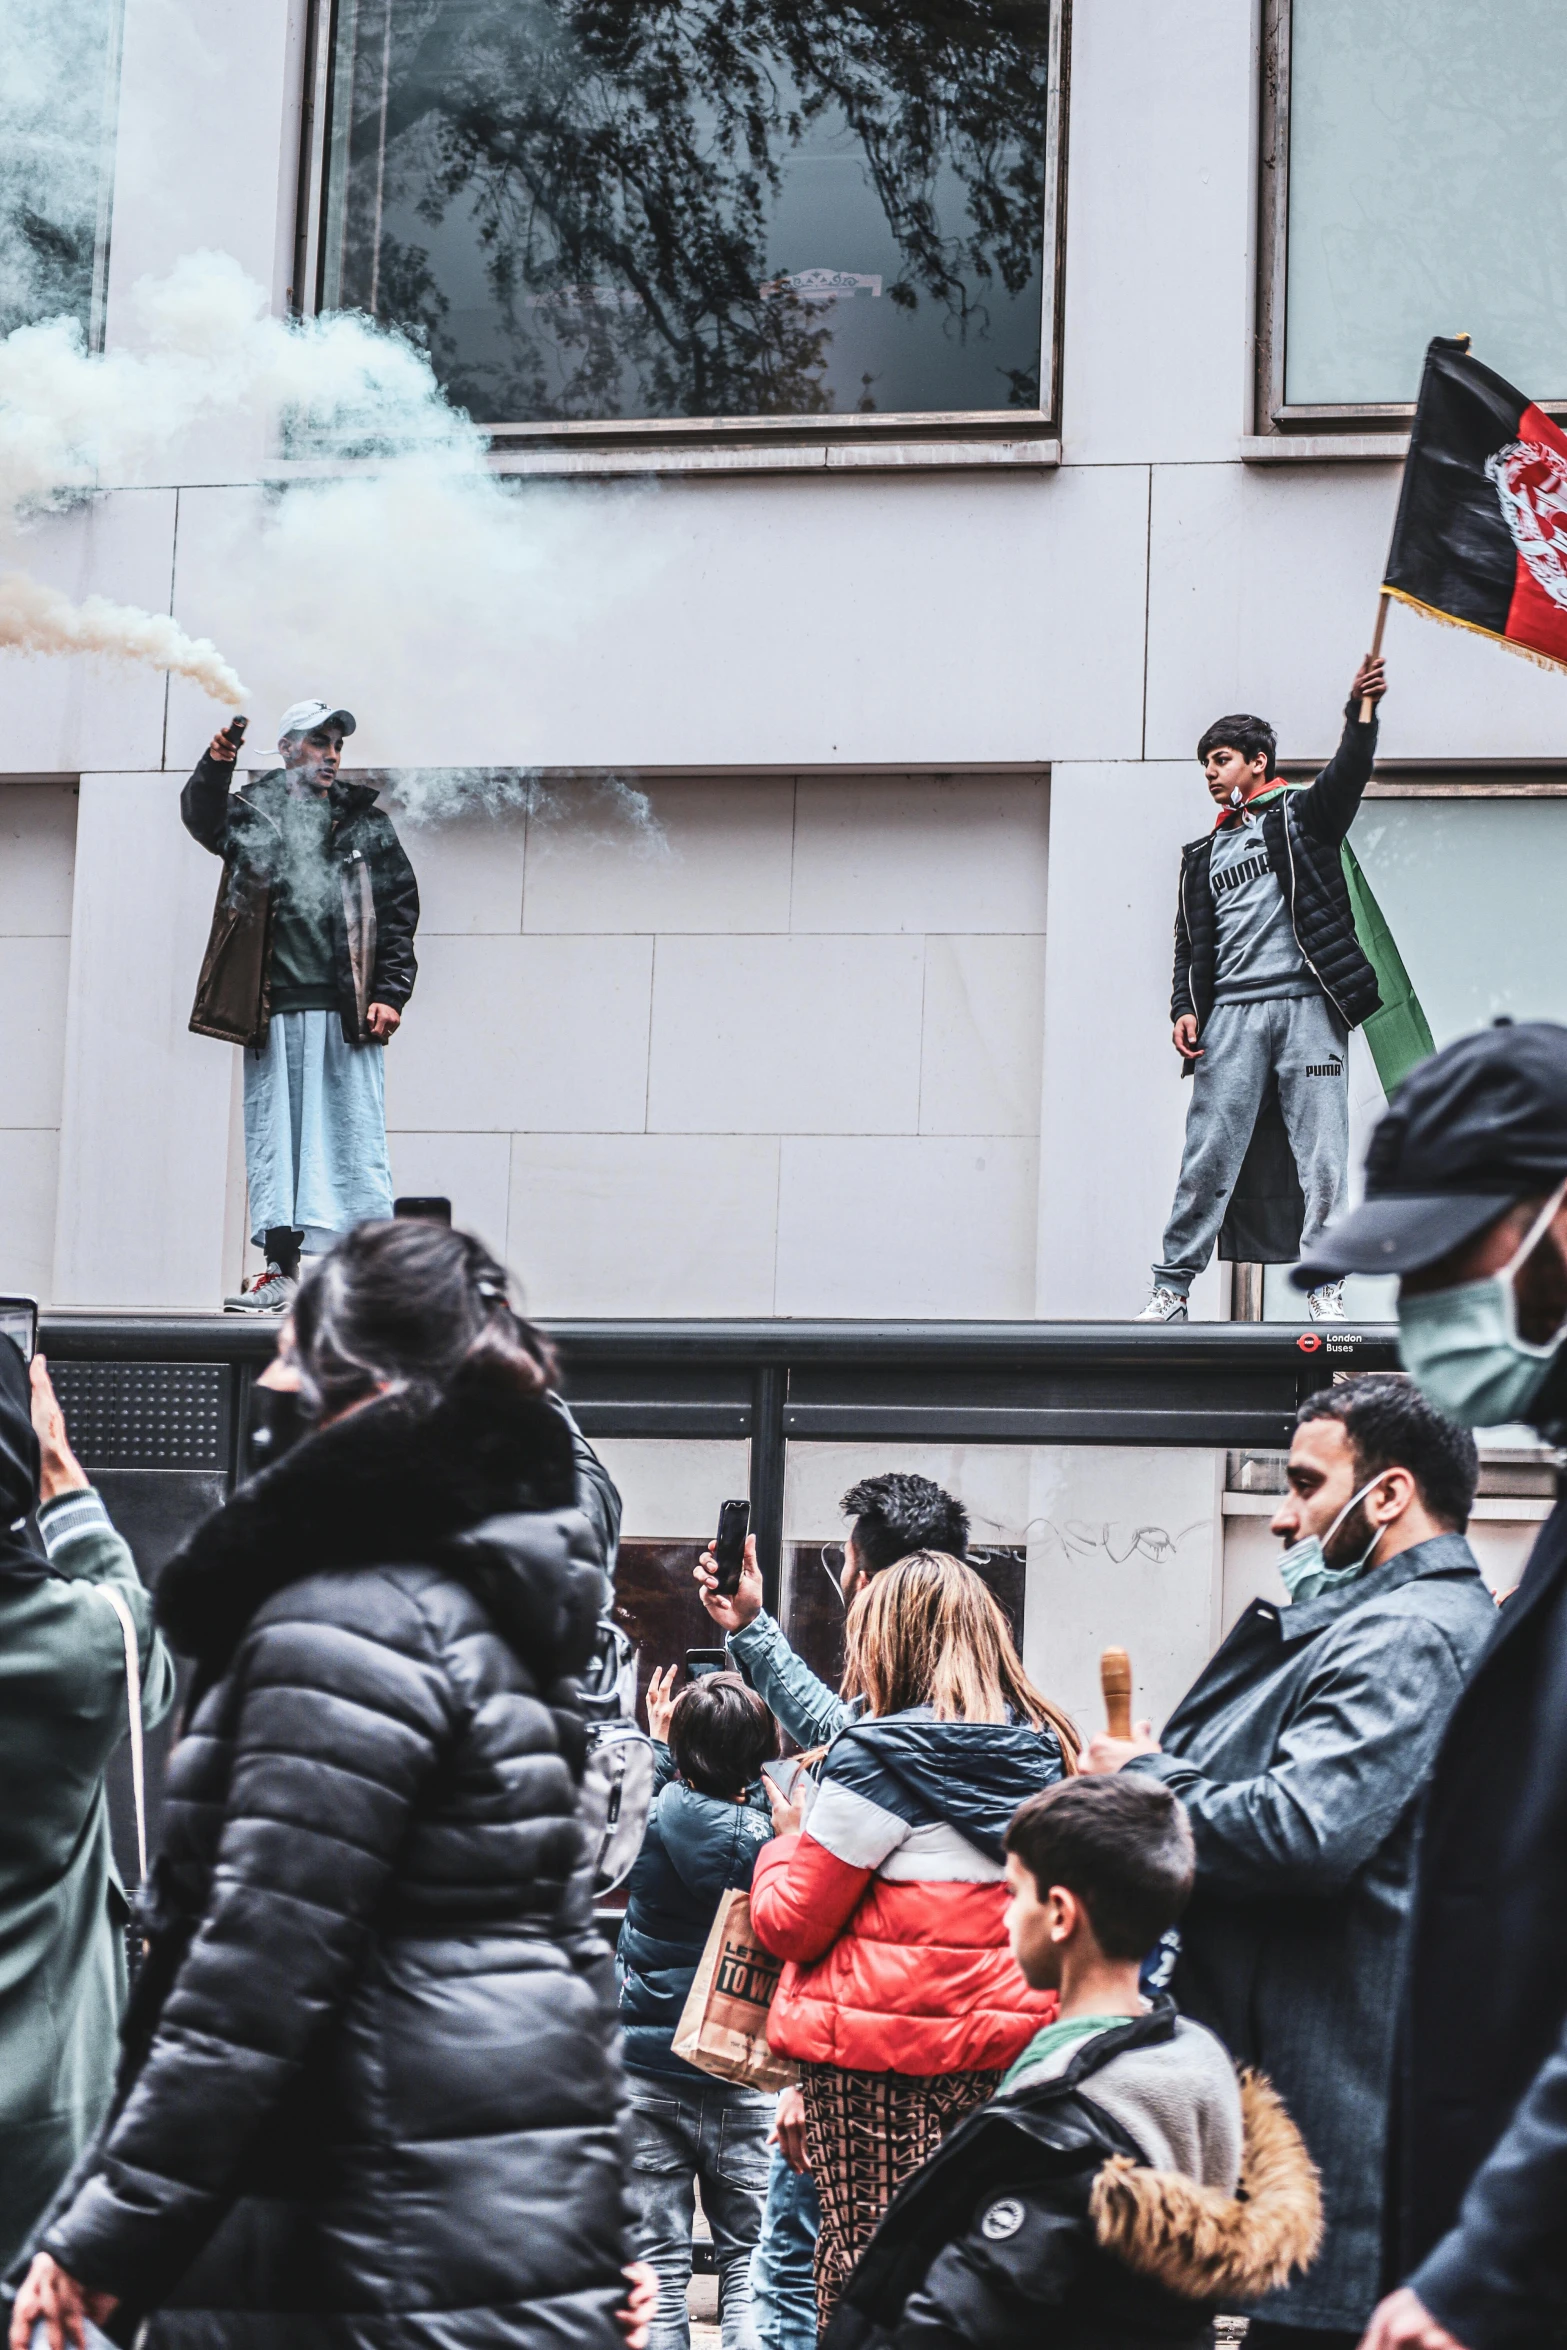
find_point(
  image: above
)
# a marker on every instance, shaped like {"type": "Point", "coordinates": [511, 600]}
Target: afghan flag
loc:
{"type": "Point", "coordinates": [1481, 535]}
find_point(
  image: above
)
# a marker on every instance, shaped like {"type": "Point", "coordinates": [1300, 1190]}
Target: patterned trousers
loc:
{"type": "Point", "coordinates": [865, 2134]}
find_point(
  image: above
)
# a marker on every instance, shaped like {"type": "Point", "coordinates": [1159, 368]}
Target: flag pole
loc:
{"type": "Point", "coordinates": [1367, 705]}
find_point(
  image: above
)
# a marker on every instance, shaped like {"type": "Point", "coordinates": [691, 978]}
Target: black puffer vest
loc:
{"type": "Point", "coordinates": [372, 2092]}
{"type": "Point", "coordinates": [1302, 833]}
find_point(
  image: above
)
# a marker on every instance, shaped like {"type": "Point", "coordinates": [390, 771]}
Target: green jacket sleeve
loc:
{"type": "Point", "coordinates": [83, 1547]}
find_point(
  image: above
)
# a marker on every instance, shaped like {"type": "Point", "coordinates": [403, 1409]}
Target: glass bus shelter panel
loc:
{"type": "Point", "coordinates": [813, 1614]}
{"type": "Point", "coordinates": [670, 1493]}
{"type": "Point", "coordinates": [1089, 1546]}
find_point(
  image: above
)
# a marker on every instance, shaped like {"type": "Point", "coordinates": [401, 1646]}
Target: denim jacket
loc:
{"type": "Point", "coordinates": [812, 1713]}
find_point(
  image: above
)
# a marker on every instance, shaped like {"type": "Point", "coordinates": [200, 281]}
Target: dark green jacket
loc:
{"type": "Point", "coordinates": [62, 1906]}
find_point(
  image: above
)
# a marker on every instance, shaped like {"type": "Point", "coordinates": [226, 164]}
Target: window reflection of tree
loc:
{"type": "Point", "coordinates": [620, 158]}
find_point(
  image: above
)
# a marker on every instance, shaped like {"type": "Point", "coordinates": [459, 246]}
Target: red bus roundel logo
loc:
{"type": "Point", "coordinates": [1308, 1342]}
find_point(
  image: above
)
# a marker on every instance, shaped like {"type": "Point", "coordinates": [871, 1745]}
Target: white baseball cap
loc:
{"type": "Point", "coordinates": [302, 716]}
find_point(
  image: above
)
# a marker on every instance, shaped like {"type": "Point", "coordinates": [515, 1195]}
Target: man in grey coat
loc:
{"type": "Point", "coordinates": [1301, 1754]}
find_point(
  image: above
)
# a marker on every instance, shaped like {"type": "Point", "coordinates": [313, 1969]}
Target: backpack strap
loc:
{"type": "Point", "coordinates": [133, 1708]}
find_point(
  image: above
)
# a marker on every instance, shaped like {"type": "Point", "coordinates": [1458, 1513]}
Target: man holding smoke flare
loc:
{"type": "Point", "coordinates": [308, 967]}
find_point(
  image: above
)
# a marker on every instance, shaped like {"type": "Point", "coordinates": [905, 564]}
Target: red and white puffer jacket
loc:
{"type": "Point", "coordinates": [890, 1905]}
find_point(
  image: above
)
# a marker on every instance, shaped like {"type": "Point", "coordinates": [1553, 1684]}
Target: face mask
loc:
{"type": "Point", "coordinates": [275, 1422]}
{"type": "Point", "coordinates": [1304, 1565]}
{"type": "Point", "coordinates": [1462, 1348]}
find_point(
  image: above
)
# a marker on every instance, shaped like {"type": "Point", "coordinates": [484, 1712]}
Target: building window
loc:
{"type": "Point", "coordinates": [594, 213]}
{"type": "Point", "coordinates": [59, 96]}
{"type": "Point", "coordinates": [1472, 878]}
{"type": "Point", "coordinates": [1414, 183]}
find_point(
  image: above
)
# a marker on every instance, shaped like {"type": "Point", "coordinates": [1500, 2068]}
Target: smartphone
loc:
{"type": "Point", "coordinates": [782, 1774]}
{"type": "Point", "coordinates": [700, 1661]}
{"type": "Point", "coordinates": [19, 1321]}
{"type": "Point", "coordinates": [425, 1207]}
{"type": "Point", "coordinates": [734, 1523]}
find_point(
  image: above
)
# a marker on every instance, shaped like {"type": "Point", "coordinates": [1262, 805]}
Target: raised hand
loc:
{"type": "Point", "coordinates": [731, 1615]}
{"type": "Point", "coordinates": [661, 1703]}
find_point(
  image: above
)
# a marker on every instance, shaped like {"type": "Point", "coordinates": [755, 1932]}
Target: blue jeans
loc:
{"type": "Point", "coordinates": [783, 2266]}
{"type": "Point", "coordinates": [715, 2131]}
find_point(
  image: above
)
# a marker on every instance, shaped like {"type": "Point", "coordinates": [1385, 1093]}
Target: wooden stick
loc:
{"type": "Point", "coordinates": [1367, 705]}
{"type": "Point", "coordinates": [1115, 1681]}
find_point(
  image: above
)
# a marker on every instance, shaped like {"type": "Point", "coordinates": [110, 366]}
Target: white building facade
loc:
{"type": "Point", "coordinates": [873, 1022]}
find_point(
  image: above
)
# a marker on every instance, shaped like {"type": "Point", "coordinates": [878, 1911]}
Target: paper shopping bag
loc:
{"type": "Point", "coordinates": [723, 2025]}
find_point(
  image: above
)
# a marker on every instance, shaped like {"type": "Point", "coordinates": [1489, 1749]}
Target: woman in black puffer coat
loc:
{"type": "Point", "coordinates": [371, 2093]}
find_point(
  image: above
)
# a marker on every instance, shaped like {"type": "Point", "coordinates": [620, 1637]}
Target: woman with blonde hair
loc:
{"type": "Point", "coordinates": [901, 2001]}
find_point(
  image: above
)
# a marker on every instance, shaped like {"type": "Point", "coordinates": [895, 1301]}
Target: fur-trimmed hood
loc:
{"type": "Point", "coordinates": [390, 1485]}
{"type": "Point", "coordinates": [1202, 2243]}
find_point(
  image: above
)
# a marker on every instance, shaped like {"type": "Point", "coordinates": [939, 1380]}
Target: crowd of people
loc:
{"type": "Point", "coordinates": [366, 2072]}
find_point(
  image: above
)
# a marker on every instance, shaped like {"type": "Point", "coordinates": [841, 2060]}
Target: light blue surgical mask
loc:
{"type": "Point", "coordinates": [1304, 1565]}
{"type": "Point", "coordinates": [1462, 1346]}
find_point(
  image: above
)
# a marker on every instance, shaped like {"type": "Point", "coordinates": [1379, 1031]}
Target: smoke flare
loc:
{"type": "Point", "coordinates": [39, 619]}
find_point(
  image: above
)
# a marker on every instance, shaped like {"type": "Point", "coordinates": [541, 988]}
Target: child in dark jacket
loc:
{"type": "Point", "coordinates": [1121, 2186]}
{"type": "Point", "coordinates": [709, 1820]}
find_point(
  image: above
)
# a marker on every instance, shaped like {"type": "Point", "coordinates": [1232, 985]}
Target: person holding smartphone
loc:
{"type": "Point", "coordinates": [63, 1908]}
{"type": "Point", "coordinates": [901, 2002]}
{"type": "Point", "coordinates": [893, 1516]}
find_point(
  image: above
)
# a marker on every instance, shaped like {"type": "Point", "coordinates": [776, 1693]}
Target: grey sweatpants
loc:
{"type": "Point", "coordinates": [1304, 1041]}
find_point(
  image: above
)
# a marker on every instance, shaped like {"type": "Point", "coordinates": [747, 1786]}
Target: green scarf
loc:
{"type": "Point", "coordinates": [1398, 1033]}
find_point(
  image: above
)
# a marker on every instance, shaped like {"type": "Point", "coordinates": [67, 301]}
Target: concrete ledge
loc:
{"type": "Point", "coordinates": [1324, 448]}
{"type": "Point", "coordinates": [1496, 1508]}
{"type": "Point", "coordinates": [1031, 456]}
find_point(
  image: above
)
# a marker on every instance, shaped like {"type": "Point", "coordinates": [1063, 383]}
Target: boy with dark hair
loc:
{"type": "Point", "coordinates": [709, 1821]}
{"type": "Point", "coordinates": [1093, 2202]}
{"type": "Point", "coordinates": [1271, 976]}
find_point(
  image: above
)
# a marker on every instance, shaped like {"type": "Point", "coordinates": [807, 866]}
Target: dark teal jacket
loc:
{"type": "Point", "coordinates": [697, 1846]}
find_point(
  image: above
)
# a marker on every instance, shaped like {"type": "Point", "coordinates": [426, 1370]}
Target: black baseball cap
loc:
{"type": "Point", "coordinates": [1477, 1127]}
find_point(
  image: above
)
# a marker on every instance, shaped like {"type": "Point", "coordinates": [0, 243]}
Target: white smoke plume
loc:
{"type": "Point", "coordinates": [383, 561]}
{"type": "Point", "coordinates": [35, 618]}
{"type": "Point", "coordinates": [73, 422]}
{"type": "Point", "coordinates": [207, 347]}
{"type": "Point", "coordinates": [599, 808]}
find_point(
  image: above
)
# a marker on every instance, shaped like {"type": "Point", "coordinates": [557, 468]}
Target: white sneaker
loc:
{"type": "Point", "coordinates": [1327, 1303]}
{"type": "Point", "coordinates": [271, 1292]}
{"type": "Point", "coordinates": [1165, 1305]}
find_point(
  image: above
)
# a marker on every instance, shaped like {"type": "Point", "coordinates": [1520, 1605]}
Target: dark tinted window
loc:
{"type": "Point", "coordinates": [600, 209]}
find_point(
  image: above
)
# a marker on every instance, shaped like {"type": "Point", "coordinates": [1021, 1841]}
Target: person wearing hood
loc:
{"type": "Point", "coordinates": [1466, 1201]}
{"type": "Point", "coordinates": [63, 1711]}
{"type": "Point", "coordinates": [901, 2000]}
{"type": "Point", "coordinates": [1270, 977]}
{"type": "Point", "coordinates": [309, 967]}
{"type": "Point", "coordinates": [371, 2086]}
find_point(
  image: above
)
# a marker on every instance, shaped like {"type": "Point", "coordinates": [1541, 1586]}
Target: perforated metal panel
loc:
{"type": "Point", "coordinates": [146, 1415]}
